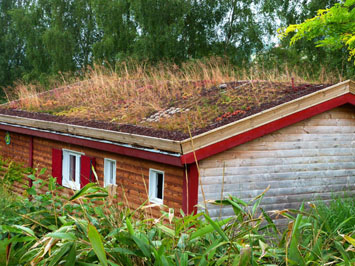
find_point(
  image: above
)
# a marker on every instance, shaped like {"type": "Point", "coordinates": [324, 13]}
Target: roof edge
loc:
{"type": "Point", "coordinates": [114, 136]}
{"type": "Point", "coordinates": [267, 116]}
{"type": "Point", "coordinates": [352, 86]}
{"type": "Point", "coordinates": [257, 132]}
{"type": "Point", "coordinates": [104, 145]}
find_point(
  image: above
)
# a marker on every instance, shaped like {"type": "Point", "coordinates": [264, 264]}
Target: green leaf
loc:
{"type": "Point", "coordinates": [82, 191]}
{"type": "Point", "coordinates": [59, 235]}
{"type": "Point", "coordinates": [32, 176]}
{"type": "Point", "coordinates": [269, 220]}
{"type": "Point", "coordinates": [81, 263]}
{"type": "Point", "coordinates": [27, 231]}
{"type": "Point", "coordinates": [97, 245]}
{"type": "Point", "coordinates": [245, 256]}
{"type": "Point", "coordinates": [123, 251]}
{"type": "Point", "coordinates": [166, 230]}
{"type": "Point", "coordinates": [211, 250]}
{"type": "Point", "coordinates": [343, 253]}
{"type": "Point", "coordinates": [208, 228]}
{"type": "Point", "coordinates": [182, 258]}
{"type": "Point", "coordinates": [43, 171]}
{"type": "Point", "coordinates": [129, 226]}
{"type": "Point", "coordinates": [349, 239]}
{"type": "Point", "coordinates": [293, 253]}
{"type": "Point", "coordinates": [112, 263]}
{"type": "Point", "coordinates": [71, 258]}
{"type": "Point", "coordinates": [59, 254]}
{"type": "Point", "coordinates": [142, 246]}
{"type": "Point", "coordinates": [31, 191]}
{"type": "Point", "coordinates": [216, 227]}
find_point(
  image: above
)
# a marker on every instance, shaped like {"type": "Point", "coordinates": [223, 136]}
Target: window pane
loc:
{"type": "Point", "coordinates": [112, 169]}
{"type": "Point", "coordinates": [72, 167]}
{"type": "Point", "coordinates": [159, 186]}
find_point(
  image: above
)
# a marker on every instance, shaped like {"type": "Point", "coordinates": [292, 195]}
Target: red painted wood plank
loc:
{"type": "Point", "coordinates": [86, 173]}
{"type": "Point", "coordinates": [190, 189]}
{"type": "Point", "coordinates": [57, 169]}
{"type": "Point", "coordinates": [30, 159]}
{"type": "Point", "coordinates": [141, 154]}
{"type": "Point", "coordinates": [266, 129]}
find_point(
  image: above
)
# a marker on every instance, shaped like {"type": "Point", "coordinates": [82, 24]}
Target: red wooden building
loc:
{"type": "Point", "coordinates": [298, 139]}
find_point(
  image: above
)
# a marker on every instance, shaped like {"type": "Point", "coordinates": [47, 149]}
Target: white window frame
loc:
{"type": "Point", "coordinates": [153, 177]}
{"type": "Point", "coordinates": [75, 185]}
{"type": "Point", "coordinates": [107, 163]}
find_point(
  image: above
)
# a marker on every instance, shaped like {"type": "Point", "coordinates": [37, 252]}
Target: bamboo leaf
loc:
{"type": "Point", "coordinates": [129, 226]}
{"type": "Point", "coordinates": [123, 251]}
{"type": "Point", "coordinates": [349, 239]}
{"type": "Point", "coordinates": [112, 263]}
{"type": "Point", "coordinates": [82, 191]}
{"type": "Point", "coordinates": [166, 230]}
{"type": "Point", "coordinates": [59, 235]}
{"type": "Point", "coordinates": [26, 230]}
{"type": "Point", "coordinates": [217, 227]}
{"type": "Point", "coordinates": [81, 263]}
{"type": "Point", "coordinates": [245, 256]}
{"type": "Point", "coordinates": [59, 254]}
{"type": "Point", "coordinates": [96, 195]}
{"type": "Point", "coordinates": [294, 254]}
{"type": "Point", "coordinates": [97, 245]}
{"type": "Point", "coordinates": [71, 256]}
{"type": "Point", "coordinates": [208, 228]}
{"type": "Point", "coordinates": [142, 246]}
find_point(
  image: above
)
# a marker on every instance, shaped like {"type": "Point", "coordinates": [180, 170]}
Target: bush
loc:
{"type": "Point", "coordinates": [88, 229]}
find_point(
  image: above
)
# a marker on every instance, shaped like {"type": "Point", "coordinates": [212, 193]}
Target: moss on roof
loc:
{"type": "Point", "coordinates": [162, 108]}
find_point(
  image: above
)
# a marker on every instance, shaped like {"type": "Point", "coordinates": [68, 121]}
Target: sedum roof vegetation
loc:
{"type": "Point", "coordinates": [166, 109]}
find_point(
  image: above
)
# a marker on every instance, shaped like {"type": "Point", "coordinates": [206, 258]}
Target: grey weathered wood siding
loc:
{"type": "Point", "coordinates": [312, 159]}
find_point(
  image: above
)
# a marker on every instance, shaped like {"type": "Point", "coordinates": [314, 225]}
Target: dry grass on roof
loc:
{"type": "Point", "coordinates": [200, 95]}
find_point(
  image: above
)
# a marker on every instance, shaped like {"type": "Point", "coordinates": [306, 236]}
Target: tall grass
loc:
{"type": "Point", "coordinates": [132, 76]}
{"type": "Point", "coordinates": [104, 93]}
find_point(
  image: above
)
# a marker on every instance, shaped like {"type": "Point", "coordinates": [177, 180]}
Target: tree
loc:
{"type": "Point", "coordinates": [12, 59]}
{"type": "Point", "coordinates": [333, 27]}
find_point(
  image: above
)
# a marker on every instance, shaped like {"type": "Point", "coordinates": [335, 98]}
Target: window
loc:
{"type": "Point", "coordinates": [109, 172]}
{"type": "Point", "coordinates": [71, 169]}
{"type": "Point", "coordinates": [156, 186]}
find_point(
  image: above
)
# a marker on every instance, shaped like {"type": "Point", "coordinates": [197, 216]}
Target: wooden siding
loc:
{"type": "Point", "coordinates": [130, 172]}
{"type": "Point", "coordinates": [313, 159]}
{"type": "Point", "coordinates": [17, 151]}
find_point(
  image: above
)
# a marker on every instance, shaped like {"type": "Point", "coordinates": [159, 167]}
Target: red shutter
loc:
{"type": "Point", "coordinates": [86, 174]}
{"type": "Point", "coordinates": [57, 164]}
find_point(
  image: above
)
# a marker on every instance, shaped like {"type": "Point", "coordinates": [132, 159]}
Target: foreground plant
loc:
{"type": "Point", "coordinates": [88, 230]}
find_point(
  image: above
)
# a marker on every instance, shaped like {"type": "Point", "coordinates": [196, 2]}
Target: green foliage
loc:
{"type": "Point", "coordinates": [11, 172]}
{"type": "Point", "coordinates": [333, 27]}
{"type": "Point", "coordinates": [87, 230]}
{"type": "Point", "coordinates": [41, 40]}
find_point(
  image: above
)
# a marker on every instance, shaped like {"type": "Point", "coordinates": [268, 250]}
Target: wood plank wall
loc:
{"type": "Point", "coordinates": [313, 159]}
{"type": "Point", "coordinates": [130, 172]}
{"type": "Point", "coordinates": [17, 151]}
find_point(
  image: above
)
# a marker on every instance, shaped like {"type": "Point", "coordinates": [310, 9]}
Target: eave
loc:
{"type": "Point", "coordinates": [114, 136]}
{"type": "Point", "coordinates": [99, 144]}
